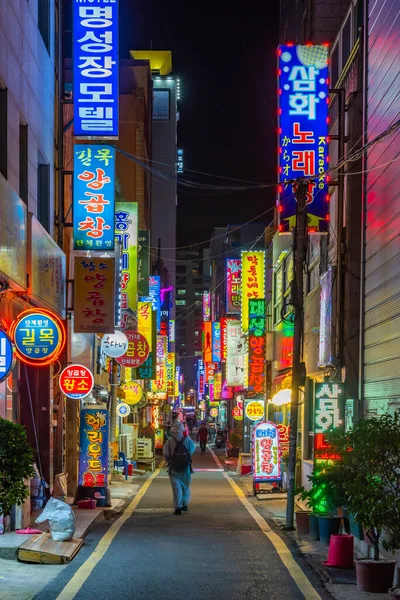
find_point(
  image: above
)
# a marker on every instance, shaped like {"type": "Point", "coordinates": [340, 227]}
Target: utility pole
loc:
{"type": "Point", "coordinates": [113, 400]}
{"type": "Point", "coordinates": [300, 189]}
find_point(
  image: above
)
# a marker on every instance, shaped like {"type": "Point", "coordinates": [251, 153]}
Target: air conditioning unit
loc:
{"type": "Point", "coordinates": [127, 444]}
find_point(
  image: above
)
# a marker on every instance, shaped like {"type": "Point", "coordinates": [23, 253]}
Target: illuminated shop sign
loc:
{"type": "Point", "coordinates": [93, 453]}
{"type": "Point", "coordinates": [256, 345]}
{"type": "Point", "coordinates": [235, 355]}
{"type": "Point", "coordinates": [253, 282]}
{"type": "Point", "coordinates": [155, 295]}
{"type": "Point", "coordinates": [329, 415]}
{"type": "Point", "coordinates": [216, 341]}
{"type": "Point", "coordinates": [143, 261]}
{"type": "Point", "coordinates": [94, 195]}
{"type": "Point", "coordinates": [206, 306]}
{"type": "Point", "coordinates": [266, 453]}
{"type": "Point", "coordinates": [207, 341]}
{"type": "Point", "coordinates": [126, 234]}
{"type": "Point", "coordinates": [303, 89]}
{"type": "Point", "coordinates": [95, 67]}
{"type": "Point", "coordinates": [233, 285]}
{"type": "Point", "coordinates": [7, 355]}
{"type": "Point", "coordinates": [94, 295]}
{"type": "Point", "coordinates": [39, 337]}
{"type": "Point", "coordinates": [170, 373]}
{"type": "Point", "coordinates": [200, 377]}
{"type": "Point", "coordinates": [76, 381]}
{"type": "Point", "coordinates": [159, 386]}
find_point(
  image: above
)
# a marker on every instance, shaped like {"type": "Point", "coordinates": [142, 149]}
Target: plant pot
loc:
{"type": "Point", "coordinates": [375, 576]}
{"type": "Point", "coordinates": [303, 522]}
{"type": "Point", "coordinates": [356, 529]}
{"type": "Point", "coordinates": [327, 525]}
{"type": "Point", "coordinates": [314, 527]}
{"type": "Point", "coordinates": [394, 592]}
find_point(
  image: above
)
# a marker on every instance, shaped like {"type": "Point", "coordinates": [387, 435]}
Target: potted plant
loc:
{"type": "Point", "coordinates": [369, 468]}
{"type": "Point", "coordinates": [235, 441]}
{"type": "Point", "coordinates": [312, 501]}
{"type": "Point", "coordinates": [16, 464]}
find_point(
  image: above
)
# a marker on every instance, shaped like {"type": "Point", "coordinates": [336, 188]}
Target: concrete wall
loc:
{"type": "Point", "coordinates": [27, 72]}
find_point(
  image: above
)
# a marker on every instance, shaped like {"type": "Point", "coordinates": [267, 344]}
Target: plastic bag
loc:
{"type": "Point", "coordinates": [38, 493]}
{"type": "Point", "coordinates": [60, 486]}
{"type": "Point", "coordinates": [61, 520]}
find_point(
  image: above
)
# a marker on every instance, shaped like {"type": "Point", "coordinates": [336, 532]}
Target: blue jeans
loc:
{"type": "Point", "coordinates": [180, 483]}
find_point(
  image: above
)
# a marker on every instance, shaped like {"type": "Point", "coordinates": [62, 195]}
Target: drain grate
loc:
{"type": "Point", "coordinates": [153, 510]}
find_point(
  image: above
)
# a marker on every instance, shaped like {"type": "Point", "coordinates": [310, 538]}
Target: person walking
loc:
{"type": "Point", "coordinates": [178, 451]}
{"type": "Point", "coordinates": [202, 436]}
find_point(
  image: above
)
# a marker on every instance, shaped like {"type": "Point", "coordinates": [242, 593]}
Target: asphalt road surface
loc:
{"type": "Point", "coordinates": [216, 551]}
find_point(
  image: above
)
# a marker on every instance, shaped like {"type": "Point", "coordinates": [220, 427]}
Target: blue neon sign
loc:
{"type": "Point", "coordinates": [6, 355]}
{"type": "Point", "coordinates": [155, 295]}
{"type": "Point", "coordinates": [94, 197]}
{"type": "Point", "coordinates": [303, 132]}
{"type": "Point", "coordinates": [95, 68]}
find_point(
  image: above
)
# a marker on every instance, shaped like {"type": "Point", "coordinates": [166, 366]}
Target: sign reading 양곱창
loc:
{"type": "Point", "coordinates": [93, 451]}
{"type": "Point", "coordinates": [95, 66]}
{"type": "Point", "coordinates": [39, 337]}
{"type": "Point", "coordinates": [303, 132]}
{"type": "Point", "coordinates": [137, 352]}
{"type": "Point", "coordinates": [266, 453]}
{"type": "Point", "coordinates": [94, 292]}
{"type": "Point", "coordinates": [94, 197]}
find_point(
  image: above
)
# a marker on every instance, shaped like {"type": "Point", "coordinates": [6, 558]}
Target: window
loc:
{"type": "Point", "coordinates": [278, 294]}
{"type": "Point", "coordinates": [343, 45]}
{"type": "Point", "coordinates": [198, 294]}
{"type": "Point", "coordinates": [346, 40]}
{"type": "Point", "coordinates": [23, 163]}
{"type": "Point", "coordinates": [335, 65]}
{"type": "Point", "coordinates": [181, 302]}
{"type": "Point", "coordinates": [44, 22]}
{"type": "Point", "coordinates": [181, 292]}
{"type": "Point", "coordinates": [43, 192]}
{"type": "Point", "coordinates": [3, 133]}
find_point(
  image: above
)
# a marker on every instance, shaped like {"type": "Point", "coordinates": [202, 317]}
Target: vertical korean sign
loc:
{"type": "Point", "coordinates": [170, 372]}
{"type": "Point", "coordinates": [95, 68]}
{"type": "Point", "coordinates": [253, 282]}
{"type": "Point", "coordinates": [147, 327]}
{"type": "Point", "coordinates": [126, 234]}
{"type": "Point", "coordinates": [233, 285]}
{"type": "Point", "coordinates": [93, 453]}
{"type": "Point", "coordinates": [235, 356]}
{"type": "Point", "coordinates": [216, 342]}
{"type": "Point", "coordinates": [155, 295]}
{"type": "Point", "coordinates": [93, 202]}
{"type": "Point", "coordinates": [94, 290]}
{"type": "Point", "coordinates": [256, 365]}
{"type": "Point", "coordinates": [160, 383]}
{"type": "Point", "coordinates": [303, 132]}
{"type": "Point", "coordinates": [206, 306]}
{"type": "Point", "coordinates": [266, 453]}
{"type": "Point", "coordinates": [207, 341]}
{"type": "Point", "coordinates": [143, 262]}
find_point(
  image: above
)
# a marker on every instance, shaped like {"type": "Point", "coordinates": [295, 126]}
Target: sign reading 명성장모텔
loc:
{"type": "Point", "coordinates": [95, 68]}
{"type": "Point", "coordinates": [303, 131]}
{"type": "Point", "coordinates": [94, 197]}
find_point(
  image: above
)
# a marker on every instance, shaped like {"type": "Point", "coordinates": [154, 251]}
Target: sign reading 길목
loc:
{"type": "Point", "coordinates": [95, 68]}
{"type": "Point", "coordinates": [303, 132]}
{"type": "Point", "coordinates": [39, 337]}
{"type": "Point", "coordinates": [94, 196]}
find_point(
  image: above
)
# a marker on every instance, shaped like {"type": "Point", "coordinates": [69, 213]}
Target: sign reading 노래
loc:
{"type": "Point", "coordinates": [303, 84]}
{"type": "Point", "coordinates": [95, 70]}
{"type": "Point", "coordinates": [233, 285]}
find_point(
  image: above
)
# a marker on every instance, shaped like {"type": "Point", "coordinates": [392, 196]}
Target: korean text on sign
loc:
{"type": "Point", "coordinates": [94, 295]}
{"type": "Point", "coordinates": [93, 457]}
{"type": "Point", "coordinates": [256, 364]}
{"type": "Point", "coordinates": [233, 285]}
{"type": "Point", "coordinates": [303, 131]}
{"type": "Point", "coordinates": [94, 195]}
{"type": "Point", "coordinates": [95, 68]}
{"type": "Point", "coordinates": [253, 282]}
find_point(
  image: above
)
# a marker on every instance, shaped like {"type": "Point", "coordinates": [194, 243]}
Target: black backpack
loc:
{"type": "Point", "coordinates": [180, 458]}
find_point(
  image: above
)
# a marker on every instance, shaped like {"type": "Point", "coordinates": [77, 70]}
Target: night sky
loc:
{"type": "Point", "coordinates": [226, 59]}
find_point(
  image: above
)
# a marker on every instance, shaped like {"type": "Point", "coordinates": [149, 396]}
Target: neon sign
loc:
{"type": "Point", "coordinates": [93, 455]}
{"type": "Point", "coordinates": [216, 342]}
{"type": "Point", "coordinates": [7, 355]}
{"type": "Point", "coordinates": [233, 285]}
{"type": "Point", "coordinates": [95, 68]}
{"type": "Point", "coordinates": [253, 282]}
{"type": "Point", "coordinates": [39, 337]}
{"type": "Point", "coordinates": [266, 453]}
{"type": "Point", "coordinates": [256, 354]}
{"type": "Point", "coordinates": [303, 90]}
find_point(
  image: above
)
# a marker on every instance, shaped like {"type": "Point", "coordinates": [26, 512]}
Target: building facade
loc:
{"type": "Point", "coordinates": [32, 265]}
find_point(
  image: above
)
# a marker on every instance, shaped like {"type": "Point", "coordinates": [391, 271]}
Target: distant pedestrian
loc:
{"type": "Point", "coordinates": [202, 436]}
{"type": "Point", "coordinates": [178, 452]}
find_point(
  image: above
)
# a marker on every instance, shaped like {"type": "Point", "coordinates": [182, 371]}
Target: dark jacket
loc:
{"type": "Point", "coordinates": [202, 434]}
